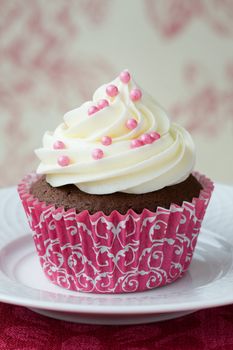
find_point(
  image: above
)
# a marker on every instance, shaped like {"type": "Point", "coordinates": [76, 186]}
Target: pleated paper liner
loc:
{"type": "Point", "coordinates": [117, 253]}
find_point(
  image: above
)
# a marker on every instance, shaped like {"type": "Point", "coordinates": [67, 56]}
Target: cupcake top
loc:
{"type": "Point", "coordinates": [122, 140]}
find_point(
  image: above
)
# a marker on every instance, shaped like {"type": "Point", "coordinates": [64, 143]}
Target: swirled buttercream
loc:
{"type": "Point", "coordinates": [131, 161]}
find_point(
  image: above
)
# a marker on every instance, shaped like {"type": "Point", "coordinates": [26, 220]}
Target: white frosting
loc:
{"type": "Point", "coordinates": [167, 161]}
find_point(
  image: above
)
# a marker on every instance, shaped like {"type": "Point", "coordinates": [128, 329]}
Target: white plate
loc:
{"type": "Point", "coordinates": [209, 281]}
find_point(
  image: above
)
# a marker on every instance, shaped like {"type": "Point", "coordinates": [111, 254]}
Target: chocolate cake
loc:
{"type": "Point", "coordinates": [69, 196]}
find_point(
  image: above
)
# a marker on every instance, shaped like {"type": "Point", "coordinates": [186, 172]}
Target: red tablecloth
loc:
{"type": "Point", "coordinates": [22, 329]}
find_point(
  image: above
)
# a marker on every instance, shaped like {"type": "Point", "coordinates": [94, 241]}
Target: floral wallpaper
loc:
{"type": "Point", "coordinates": [53, 55]}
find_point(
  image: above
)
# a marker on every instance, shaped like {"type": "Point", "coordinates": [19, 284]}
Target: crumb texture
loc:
{"type": "Point", "coordinates": [69, 196]}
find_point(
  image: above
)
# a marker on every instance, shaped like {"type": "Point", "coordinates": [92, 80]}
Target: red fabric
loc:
{"type": "Point", "coordinates": [22, 329]}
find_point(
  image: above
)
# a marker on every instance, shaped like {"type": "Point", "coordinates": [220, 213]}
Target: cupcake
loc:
{"type": "Point", "coordinates": [115, 206]}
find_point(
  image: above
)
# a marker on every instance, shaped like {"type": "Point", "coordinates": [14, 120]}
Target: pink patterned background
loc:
{"type": "Point", "coordinates": [54, 54]}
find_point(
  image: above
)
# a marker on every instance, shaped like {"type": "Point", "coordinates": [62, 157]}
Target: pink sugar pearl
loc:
{"type": "Point", "coordinates": [102, 104]}
{"type": "Point", "coordinates": [146, 139]}
{"type": "Point", "coordinates": [125, 77]}
{"type": "Point", "coordinates": [59, 145]}
{"type": "Point", "coordinates": [135, 94]}
{"type": "Point", "coordinates": [63, 160]}
{"type": "Point", "coordinates": [97, 153]}
{"type": "Point", "coordinates": [131, 123]}
{"type": "Point", "coordinates": [136, 143]}
{"type": "Point", "coordinates": [112, 90]}
{"type": "Point", "coordinates": [155, 135]}
{"type": "Point", "coordinates": [92, 110]}
{"type": "Point", "coordinates": [106, 140]}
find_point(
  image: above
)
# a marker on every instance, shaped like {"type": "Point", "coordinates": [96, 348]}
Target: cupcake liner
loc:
{"type": "Point", "coordinates": [116, 253]}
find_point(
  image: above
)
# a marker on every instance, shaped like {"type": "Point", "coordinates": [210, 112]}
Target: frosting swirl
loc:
{"type": "Point", "coordinates": [109, 144]}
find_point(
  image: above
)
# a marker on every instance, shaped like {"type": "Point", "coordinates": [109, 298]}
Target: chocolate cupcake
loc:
{"type": "Point", "coordinates": [114, 206]}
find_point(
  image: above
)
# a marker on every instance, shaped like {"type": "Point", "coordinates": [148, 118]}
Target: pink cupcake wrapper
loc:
{"type": "Point", "coordinates": [116, 253]}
